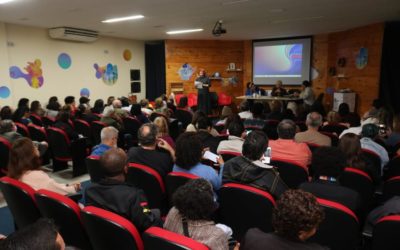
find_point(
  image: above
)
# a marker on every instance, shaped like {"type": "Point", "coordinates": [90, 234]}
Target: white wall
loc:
{"type": "Point", "coordinates": [22, 44]}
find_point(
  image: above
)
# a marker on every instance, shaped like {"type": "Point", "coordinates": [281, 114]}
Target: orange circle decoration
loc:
{"type": "Point", "coordinates": [127, 55]}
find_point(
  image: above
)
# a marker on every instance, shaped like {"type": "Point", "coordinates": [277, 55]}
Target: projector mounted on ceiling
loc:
{"type": "Point", "coordinates": [73, 34]}
{"type": "Point", "coordinates": [218, 30]}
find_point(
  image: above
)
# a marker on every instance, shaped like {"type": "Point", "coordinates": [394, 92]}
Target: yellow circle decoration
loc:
{"type": "Point", "coordinates": [127, 55]}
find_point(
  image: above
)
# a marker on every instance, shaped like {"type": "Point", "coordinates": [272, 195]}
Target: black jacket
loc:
{"type": "Point", "coordinates": [244, 171]}
{"type": "Point", "coordinates": [123, 199]}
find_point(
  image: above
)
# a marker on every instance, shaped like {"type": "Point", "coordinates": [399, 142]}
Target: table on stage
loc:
{"type": "Point", "coordinates": [269, 98]}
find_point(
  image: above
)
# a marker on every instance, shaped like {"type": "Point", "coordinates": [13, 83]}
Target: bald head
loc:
{"type": "Point", "coordinates": [117, 104]}
{"type": "Point", "coordinates": [314, 120]}
{"type": "Point", "coordinates": [147, 134]}
{"type": "Point", "coordinates": [286, 129]}
{"type": "Point", "coordinates": [113, 162]}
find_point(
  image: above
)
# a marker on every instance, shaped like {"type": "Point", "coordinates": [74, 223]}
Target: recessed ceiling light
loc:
{"type": "Point", "coordinates": [121, 19]}
{"type": "Point", "coordinates": [5, 1]}
{"type": "Point", "coordinates": [174, 32]}
{"type": "Point", "coordinates": [234, 2]}
{"type": "Point", "coordinates": [278, 10]}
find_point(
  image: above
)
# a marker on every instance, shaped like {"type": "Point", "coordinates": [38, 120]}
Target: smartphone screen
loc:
{"type": "Point", "coordinates": [210, 156]}
{"type": "Point", "coordinates": [267, 156]}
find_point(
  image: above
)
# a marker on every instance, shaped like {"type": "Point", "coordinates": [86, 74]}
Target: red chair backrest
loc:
{"type": "Point", "coordinates": [21, 201]}
{"type": "Point", "coordinates": [59, 144]}
{"type": "Point", "coordinates": [174, 180]}
{"type": "Point", "coordinates": [359, 181]}
{"type": "Point", "coordinates": [339, 229]}
{"type": "Point", "coordinates": [150, 181]}
{"type": "Point", "coordinates": [158, 238]}
{"type": "Point", "coordinates": [48, 121]}
{"type": "Point", "coordinates": [391, 187]}
{"type": "Point", "coordinates": [82, 127]}
{"type": "Point", "coordinates": [37, 120]}
{"type": "Point", "coordinates": [107, 230]}
{"type": "Point", "coordinates": [192, 99]}
{"type": "Point", "coordinates": [132, 126]}
{"type": "Point", "coordinates": [374, 158]}
{"type": "Point", "coordinates": [22, 129]}
{"type": "Point", "coordinates": [291, 172]}
{"type": "Point", "coordinates": [224, 99]}
{"type": "Point", "coordinates": [5, 147]}
{"type": "Point", "coordinates": [66, 215]}
{"type": "Point", "coordinates": [37, 133]}
{"type": "Point", "coordinates": [386, 233]}
{"type": "Point", "coordinates": [227, 155]}
{"type": "Point", "coordinates": [252, 208]}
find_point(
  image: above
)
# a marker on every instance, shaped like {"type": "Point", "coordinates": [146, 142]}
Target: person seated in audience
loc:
{"type": "Point", "coordinates": [144, 103]}
{"type": "Point", "coordinates": [189, 152]}
{"type": "Point", "coordinates": [112, 193]}
{"type": "Point", "coordinates": [192, 214]}
{"type": "Point", "coordinates": [295, 219]}
{"type": "Point", "coordinates": [183, 104]}
{"type": "Point", "coordinates": [8, 130]}
{"type": "Point", "coordinates": [276, 111]}
{"type": "Point", "coordinates": [328, 164]}
{"type": "Point", "coordinates": [285, 148]}
{"type": "Point", "coordinates": [278, 90]}
{"type": "Point", "coordinates": [393, 134]}
{"type": "Point", "coordinates": [6, 113]}
{"type": "Point", "coordinates": [64, 122]}
{"type": "Point", "coordinates": [98, 107]}
{"type": "Point", "coordinates": [36, 108]}
{"type": "Point", "coordinates": [163, 131]}
{"type": "Point", "coordinates": [204, 128]}
{"type": "Point", "coordinates": [369, 133]}
{"type": "Point", "coordinates": [84, 113]}
{"type": "Point", "coordinates": [109, 139]}
{"type": "Point", "coordinates": [24, 165]}
{"type": "Point", "coordinates": [21, 115]}
{"type": "Point", "coordinates": [257, 121]}
{"type": "Point", "coordinates": [159, 106]}
{"type": "Point", "coordinates": [53, 107]}
{"type": "Point", "coordinates": [357, 130]}
{"type": "Point", "coordinates": [390, 207]}
{"type": "Point", "coordinates": [22, 108]}
{"type": "Point", "coordinates": [225, 113]}
{"type": "Point", "coordinates": [350, 146]}
{"type": "Point", "coordinates": [235, 140]}
{"type": "Point", "coordinates": [333, 118]}
{"type": "Point", "coordinates": [111, 119]}
{"type": "Point", "coordinates": [192, 127]}
{"type": "Point", "coordinates": [249, 169]}
{"type": "Point", "coordinates": [250, 89]}
{"type": "Point", "coordinates": [136, 111]}
{"type": "Point", "coordinates": [313, 122]}
{"type": "Point", "coordinates": [374, 110]}
{"type": "Point", "coordinates": [245, 110]}
{"type": "Point", "coordinates": [69, 101]}
{"type": "Point", "coordinates": [40, 235]}
{"type": "Point", "coordinates": [153, 152]}
{"type": "Point", "coordinates": [84, 100]}
{"type": "Point", "coordinates": [347, 117]}
{"type": "Point", "coordinates": [118, 111]}
{"type": "Point", "coordinates": [126, 105]}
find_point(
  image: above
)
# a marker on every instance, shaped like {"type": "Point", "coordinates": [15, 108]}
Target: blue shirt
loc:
{"type": "Point", "coordinates": [100, 149]}
{"type": "Point", "coordinates": [205, 172]}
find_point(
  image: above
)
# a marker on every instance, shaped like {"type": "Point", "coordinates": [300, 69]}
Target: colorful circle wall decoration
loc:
{"type": "Point", "coordinates": [85, 92]}
{"type": "Point", "coordinates": [4, 92]}
{"type": "Point", "coordinates": [64, 61]}
{"type": "Point", "coordinates": [127, 55]}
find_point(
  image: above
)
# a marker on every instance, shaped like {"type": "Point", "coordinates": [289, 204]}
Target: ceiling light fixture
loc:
{"type": "Point", "coordinates": [234, 2]}
{"type": "Point", "coordinates": [121, 19]}
{"type": "Point", "coordinates": [175, 32]}
{"type": "Point", "coordinates": [5, 1]}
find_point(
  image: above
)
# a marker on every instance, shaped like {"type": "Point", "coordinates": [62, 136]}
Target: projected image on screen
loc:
{"type": "Point", "coordinates": [278, 61]}
{"type": "Point", "coordinates": [287, 60]}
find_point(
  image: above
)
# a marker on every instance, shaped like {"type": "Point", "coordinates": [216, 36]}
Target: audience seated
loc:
{"type": "Point", "coordinates": [235, 140]}
{"type": "Point", "coordinates": [110, 118]}
{"type": "Point", "coordinates": [85, 113]}
{"type": "Point", "coordinates": [41, 235]}
{"type": "Point", "coordinates": [24, 165]}
{"type": "Point", "coordinates": [204, 128]}
{"type": "Point", "coordinates": [369, 133]}
{"type": "Point", "coordinates": [285, 148]}
{"type": "Point", "coordinates": [98, 107]}
{"type": "Point", "coordinates": [153, 152]}
{"type": "Point", "coordinates": [313, 122]}
{"type": "Point", "coordinates": [295, 219]}
{"type": "Point", "coordinates": [328, 164]}
{"type": "Point", "coordinates": [249, 168]}
{"type": "Point", "coordinates": [163, 131]}
{"type": "Point", "coordinates": [144, 103]}
{"type": "Point", "coordinates": [109, 139]}
{"type": "Point", "coordinates": [84, 100]}
{"type": "Point", "coordinates": [184, 104]}
{"type": "Point", "coordinates": [118, 111]}
{"type": "Point", "coordinates": [245, 110]}
{"type": "Point", "coordinates": [393, 133]}
{"type": "Point", "coordinates": [69, 101]}
{"type": "Point", "coordinates": [21, 115]}
{"type": "Point", "coordinates": [112, 193]}
{"type": "Point", "coordinates": [6, 113]}
{"type": "Point", "coordinates": [350, 146]}
{"type": "Point", "coordinates": [347, 117]}
{"type": "Point", "coordinates": [63, 122]}
{"type": "Point", "coordinates": [8, 130]}
{"type": "Point", "coordinates": [192, 214]}
{"type": "Point", "coordinates": [225, 113]}
{"type": "Point", "coordinates": [136, 111]}
{"type": "Point", "coordinates": [189, 152]}
{"type": "Point", "coordinates": [257, 121]}
{"type": "Point", "coordinates": [374, 110]}
{"type": "Point", "coordinates": [192, 127]}
{"type": "Point", "coordinates": [36, 108]}
{"type": "Point", "coordinates": [53, 107]}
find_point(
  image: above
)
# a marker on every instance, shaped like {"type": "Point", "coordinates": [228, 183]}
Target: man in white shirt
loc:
{"type": "Point", "coordinates": [235, 139]}
{"type": "Point", "coordinates": [144, 103]}
{"type": "Point", "coordinates": [369, 133]}
{"type": "Point", "coordinates": [245, 110]}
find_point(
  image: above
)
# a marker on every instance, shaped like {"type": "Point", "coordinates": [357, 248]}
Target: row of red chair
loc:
{"type": "Point", "coordinates": [223, 99]}
{"type": "Point", "coordinates": [87, 228]}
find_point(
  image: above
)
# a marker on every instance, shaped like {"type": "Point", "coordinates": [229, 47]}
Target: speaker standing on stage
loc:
{"type": "Point", "coordinates": [202, 83]}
